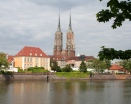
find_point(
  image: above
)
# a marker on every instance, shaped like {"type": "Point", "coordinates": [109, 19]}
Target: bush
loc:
{"type": "Point", "coordinates": [37, 70]}
{"type": "Point", "coordinates": [67, 68]}
{"type": "Point", "coordinates": [20, 70]}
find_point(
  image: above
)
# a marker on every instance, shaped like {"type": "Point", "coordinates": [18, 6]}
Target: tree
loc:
{"type": "Point", "coordinates": [126, 65]}
{"type": "Point", "coordinates": [83, 67]}
{"type": "Point", "coordinates": [119, 10]}
{"type": "Point", "coordinates": [108, 63]}
{"type": "Point", "coordinates": [99, 65]}
{"type": "Point", "coordinates": [55, 66]}
{"type": "Point", "coordinates": [3, 60]}
{"type": "Point", "coordinates": [111, 53]}
{"type": "Point", "coordinates": [67, 68]}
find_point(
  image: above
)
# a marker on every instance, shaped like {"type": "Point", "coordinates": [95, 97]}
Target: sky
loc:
{"type": "Point", "coordinates": [34, 23]}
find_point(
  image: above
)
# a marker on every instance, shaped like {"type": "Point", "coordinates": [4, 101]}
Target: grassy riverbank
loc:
{"type": "Point", "coordinates": [72, 74]}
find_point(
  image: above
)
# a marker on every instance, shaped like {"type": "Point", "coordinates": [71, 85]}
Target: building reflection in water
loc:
{"type": "Point", "coordinates": [65, 92]}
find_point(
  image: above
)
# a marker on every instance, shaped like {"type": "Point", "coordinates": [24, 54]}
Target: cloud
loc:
{"type": "Point", "coordinates": [34, 23]}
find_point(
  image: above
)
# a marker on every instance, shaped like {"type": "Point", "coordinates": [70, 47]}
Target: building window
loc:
{"type": "Point", "coordinates": [30, 59]}
{"type": "Point", "coordinates": [25, 66]}
{"type": "Point", "coordinates": [36, 59]}
{"type": "Point", "coordinates": [25, 59]}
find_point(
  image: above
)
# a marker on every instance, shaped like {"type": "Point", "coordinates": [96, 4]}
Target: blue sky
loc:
{"type": "Point", "coordinates": [34, 23]}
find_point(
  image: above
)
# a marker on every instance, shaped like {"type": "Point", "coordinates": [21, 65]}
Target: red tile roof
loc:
{"type": "Point", "coordinates": [31, 51]}
{"type": "Point", "coordinates": [115, 67]}
{"type": "Point", "coordinates": [10, 58]}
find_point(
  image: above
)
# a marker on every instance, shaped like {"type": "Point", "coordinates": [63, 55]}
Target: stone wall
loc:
{"type": "Point", "coordinates": [54, 77]}
{"type": "Point", "coordinates": [24, 77]}
{"type": "Point", "coordinates": [111, 77]}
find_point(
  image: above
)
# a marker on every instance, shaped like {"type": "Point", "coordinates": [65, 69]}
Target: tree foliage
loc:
{"type": "Point", "coordinates": [3, 60]}
{"type": "Point", "coordinates": [67, 68]}
{"type": "Point", "coordinates": [118, 10]}
{"type": "Point", "coordinates": [83, 67]}
{"type": "Point", "coordinates": [111, 53]}
{"type": "Point", "coordinates": [55, 66]}
{"type": "Point", "coordinates": [99, 65]}
{"type": "Point", "coordinates": [126, 65]}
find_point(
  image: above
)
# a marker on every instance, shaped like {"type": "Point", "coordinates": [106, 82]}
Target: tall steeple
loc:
{"type": "Point", "coordinates": [58, 43]}
{"type": "Point", "coordinates": [70, 27]}
{"type": "Point", "coordinates": [59, 28]}
{"type": "Point", "coordinates": [70, 45]}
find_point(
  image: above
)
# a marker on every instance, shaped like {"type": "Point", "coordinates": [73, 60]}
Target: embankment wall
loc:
{"type": "Point", "coordinates": [54, 77]}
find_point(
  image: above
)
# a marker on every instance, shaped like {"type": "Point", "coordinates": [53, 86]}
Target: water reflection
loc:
{"type": "Point", "coordinates": [65, 92]}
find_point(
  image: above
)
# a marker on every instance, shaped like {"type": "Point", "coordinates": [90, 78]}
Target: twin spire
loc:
{"type": "Point", "coordinates": [59, 27]}
{"type": "Point", "coordinates": [70, 27]}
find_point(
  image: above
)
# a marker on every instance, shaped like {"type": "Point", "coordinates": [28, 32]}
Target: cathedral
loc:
{"type": "Point", "coordinates": [60, 53]}
{"type": "Point", "coordinates": [67, 55]}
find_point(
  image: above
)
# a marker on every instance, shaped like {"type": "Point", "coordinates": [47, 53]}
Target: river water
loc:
{"type": "Point", "coordinates": [65, 92]}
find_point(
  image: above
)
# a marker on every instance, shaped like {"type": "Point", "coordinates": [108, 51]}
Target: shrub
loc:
{"type": "Point", "coordinates": [37, 69]}
{"type": "Point", "coordinates": [20, 70]}
{"type": "Point", "coordinates": [67, 68]}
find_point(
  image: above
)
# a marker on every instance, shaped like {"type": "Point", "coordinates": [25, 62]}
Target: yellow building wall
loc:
{"type": "Point", "coordinates": [18, 62]}
{"type": "Point", "coordinates": [26, 62]}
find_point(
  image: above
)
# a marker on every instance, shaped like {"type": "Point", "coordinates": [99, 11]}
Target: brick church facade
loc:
{"type": "Point", "coordinates": [59, 52]}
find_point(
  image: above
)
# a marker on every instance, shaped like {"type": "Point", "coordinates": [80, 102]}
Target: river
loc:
{"type": "Point", "coordinates": [66, 92]}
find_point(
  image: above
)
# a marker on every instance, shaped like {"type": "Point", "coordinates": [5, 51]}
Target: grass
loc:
{"type": "Point", "coordinates": [72, 74]}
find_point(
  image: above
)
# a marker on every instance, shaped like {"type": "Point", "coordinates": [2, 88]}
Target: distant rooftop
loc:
{"type": "Point", "coordinates": [31, 51]}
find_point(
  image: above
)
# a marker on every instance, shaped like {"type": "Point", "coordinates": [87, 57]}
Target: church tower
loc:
{"type": "Point", "coordinates": [70, 46]}
{"type": "Point", "coordinates": [58, 45]}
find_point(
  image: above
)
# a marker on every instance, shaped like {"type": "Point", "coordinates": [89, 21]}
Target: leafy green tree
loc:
{"type": "Point", "coordinates": [83, 67]}
{"type": "Point", "coordinates": [111, 53]}
{"type": "Point", "coordinates": [99, 65]}
{"type": "Point", "coordinates": [118, 10]}
{"type": "Point", "coordinates": [3, 60]}
{"type": "Point", "coordinates": [126, 65]}
{"type": "Point", "coordinates": [107, 63]}
{"type": "Point", "coordinates": [55, 66]}
{"type": "Point", "coordinates": [67, 68]}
